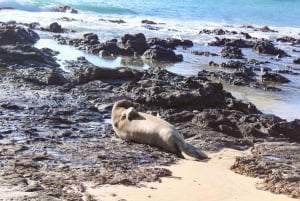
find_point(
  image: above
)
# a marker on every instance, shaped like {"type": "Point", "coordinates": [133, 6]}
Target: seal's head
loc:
{"type": "Point", "coordinates": [119, 111]}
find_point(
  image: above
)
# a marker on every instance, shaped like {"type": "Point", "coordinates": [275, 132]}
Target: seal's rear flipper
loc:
{"type": "Point", "coordinates": [190, 152]}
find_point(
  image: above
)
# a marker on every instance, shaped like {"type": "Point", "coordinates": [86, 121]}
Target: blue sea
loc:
{"type": "Point", "coordinates": [177, 19]}
{"type": "Point", "coordinates": [283, 13]}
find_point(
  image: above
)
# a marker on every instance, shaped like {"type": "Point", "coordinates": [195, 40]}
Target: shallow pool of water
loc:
{"type": "Point", "coordinates": [284, 104]}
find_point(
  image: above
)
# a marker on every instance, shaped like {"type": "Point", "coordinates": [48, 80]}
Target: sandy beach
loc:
{"type": "Point", "coordinates": [194, 181]}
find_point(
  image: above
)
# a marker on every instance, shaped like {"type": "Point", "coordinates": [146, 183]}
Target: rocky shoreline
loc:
{"type": "Point", "coordinates": [55, 132]}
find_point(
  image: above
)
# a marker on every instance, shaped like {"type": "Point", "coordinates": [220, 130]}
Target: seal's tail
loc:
{"type": "Point", "coordinates": [190, 152]}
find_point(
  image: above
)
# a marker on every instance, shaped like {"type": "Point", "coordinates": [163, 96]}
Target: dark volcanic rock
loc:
{"type": "Point", "coordinates": [148, 22]}
{"type": "Point", "coordinates": [238, 43]}
{"type": "Point", "coordinates": [162, 54]}
{"type": "Point", "coordinates": [217, 32]}
{"type": "Point", "coordinates": [55, 28]}
{"type": "Point", "coordinates": [43, 76]}
{"type": "Point", "coordinates": [209, 95]}
{"type": "Point", "coordinates": [235, 123]}
{"type": "Point", "coordinates": [289, 129]}
{"type": "Point", "coordinates": [27, 55]}
{"type": "Point", "coordinates": [105, 74]}
{"type": "Point", "coordinates": [287, 39]}
{"type": "Point", "coordinates": [297, 61]}
{"type": "Point", "coordinates": [91, 38]}
{"type": "Point", "coordinates": [113, 48]}
{"type": "Point", "coordinates": [241, 77]}
{"type": "Point", "coordinates": [266, 29]}
{"type": "Point", "coordinates": [11, 35]}
{"type": "Point", "coordinates": [232, 52]}
{"type": "Point", "coordinates": [136, 42]}
{"type": "Point", "coordinates": [204, 53]}
{"type": "Point", "coordinates": [233, 64]}
{"type": "Point", "coordinates": [171, 43]}
{"type": "Point", "coordinates": [66, 9]}
{"type": "Point", "coordinates": [274, 77]}
{"type": "Point", "coordinates": [277, 163]}
{"type": "Point", "coordinates": [266, 47]}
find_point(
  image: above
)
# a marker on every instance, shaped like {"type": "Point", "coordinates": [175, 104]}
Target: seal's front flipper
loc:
{"type": "Point", "coordinates": [131, 113]}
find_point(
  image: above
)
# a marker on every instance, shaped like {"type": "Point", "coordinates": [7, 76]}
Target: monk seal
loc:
{"type": "Point", "coordinates": [139, 127]}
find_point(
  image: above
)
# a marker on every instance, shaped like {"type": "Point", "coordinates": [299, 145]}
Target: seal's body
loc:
{"type": "Point", "coordinates": [140, 127]}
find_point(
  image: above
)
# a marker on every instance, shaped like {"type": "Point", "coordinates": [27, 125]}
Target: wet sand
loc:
{"type": "Point", "coordinates": [194, 181]}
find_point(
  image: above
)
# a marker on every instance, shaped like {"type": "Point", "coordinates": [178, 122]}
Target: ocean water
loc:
{"type": "Point", "coordinates": [177, 19]}
{"type": "Point", "coordinates": [263, 12]}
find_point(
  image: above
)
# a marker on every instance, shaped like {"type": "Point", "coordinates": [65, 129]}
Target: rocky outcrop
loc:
{"type": "Point", "coordinates": [238, 43]}
{"type": "Point", "coordinates": [288, 39]}
{"type": "Point", "coordinates": [274, 77]}
{"type": "Point", "coordinates": [171, 43]}
{"type": "Point", "coordinates": [267, 47]}
{"type": "Point", "coordinates": [105, 74]}
{"type": "Point", "coordinates": [159, 53]}
{"type": "Point", "coordinates": [66, 9]}
{"type": "Point", "coordinates": [289, 129]}
{"type": "Point", "coordinates": [217, 32]}
{"type": "Point", "coordinates": [43, 76]}
{"type": "Point", "coordinates": [12, 35]}
{"type": "Point", "coordinates": [297, 61]}
{"type": "Point", "coordinates": [276, 163]}
{"type": "Point", "coordinates": [233, 64]}
{"type": "Point", "coordinates": [236, 123]}
{"type": "Point", "coordinates": [27, 55]}
{"type": "Point", "coordinates": [130, 45]}
{"type": "Point", "coordinates": [137, 43]}
{"type": "Point", "coordinates": [241, 77]}
{"type": "Point", "coordinates": [148, 22]}
{"type": "Point", "coordinates": [55, 28]}
{"type": "Point", "coordinates": [204, 53]}
{"type": "Point", "coordinates": [232, 52]}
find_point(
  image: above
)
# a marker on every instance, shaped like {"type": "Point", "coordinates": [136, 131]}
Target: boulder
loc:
{"type": "Point", "coordinates": [233, 64]}
{"type": "Point", "coordinates": [289, 129]}
{"type": "Point", "coordinates": [203, 96]}
{"type": "Point", "coordinates": [160, 53]}
{"type": "Point", "coordinates": [55, 28]}
{"type": "Point", "coordinates": [217, 32]}
{"type": "Point", "coordinates": [136, 42]}
{"type": "Point", "coordinates": [66, 9]}
{"type": "Point", "coordinates": [297, 61]}
{"type": "Point", "coordinates": [232, 52]}
{"type": "Point", "coordinates": [267, 47]}
{"type": "Point", "coordinates": [91, 37]}
{"type": "Point", "coordinates": [171, 43]}
{"type": "Point", "coordinates": [112, 48]}
{"type": "Point", "coordinates": [105, 74]}
{"type": "Point", "coordinates": [274, 77]}
{"type": "Point", "coordinates": [17, 35]}
{"type": "Point", "coordinates": [204, 53]}
{"type": "Point", "coordinates": [238, 43]}
{"type": "Point", "coordinates": [288, 39]}
{"type": "Point", "coordinates": [27, 55]}
{"type": "Point", "coordinates": [148, 22]}
{"type": "Point", "coordinates": [43, 76]}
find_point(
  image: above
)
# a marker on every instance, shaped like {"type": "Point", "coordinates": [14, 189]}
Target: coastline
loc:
{"type": "Point", "coordinates": [55, 132]}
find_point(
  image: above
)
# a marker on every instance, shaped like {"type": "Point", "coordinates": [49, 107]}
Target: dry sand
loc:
{"type": "Point", "coordinates": [194, 181]}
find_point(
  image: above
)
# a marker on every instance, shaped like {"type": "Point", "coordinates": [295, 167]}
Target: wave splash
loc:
{"type": "Point", "coordinates": [40, 5]}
